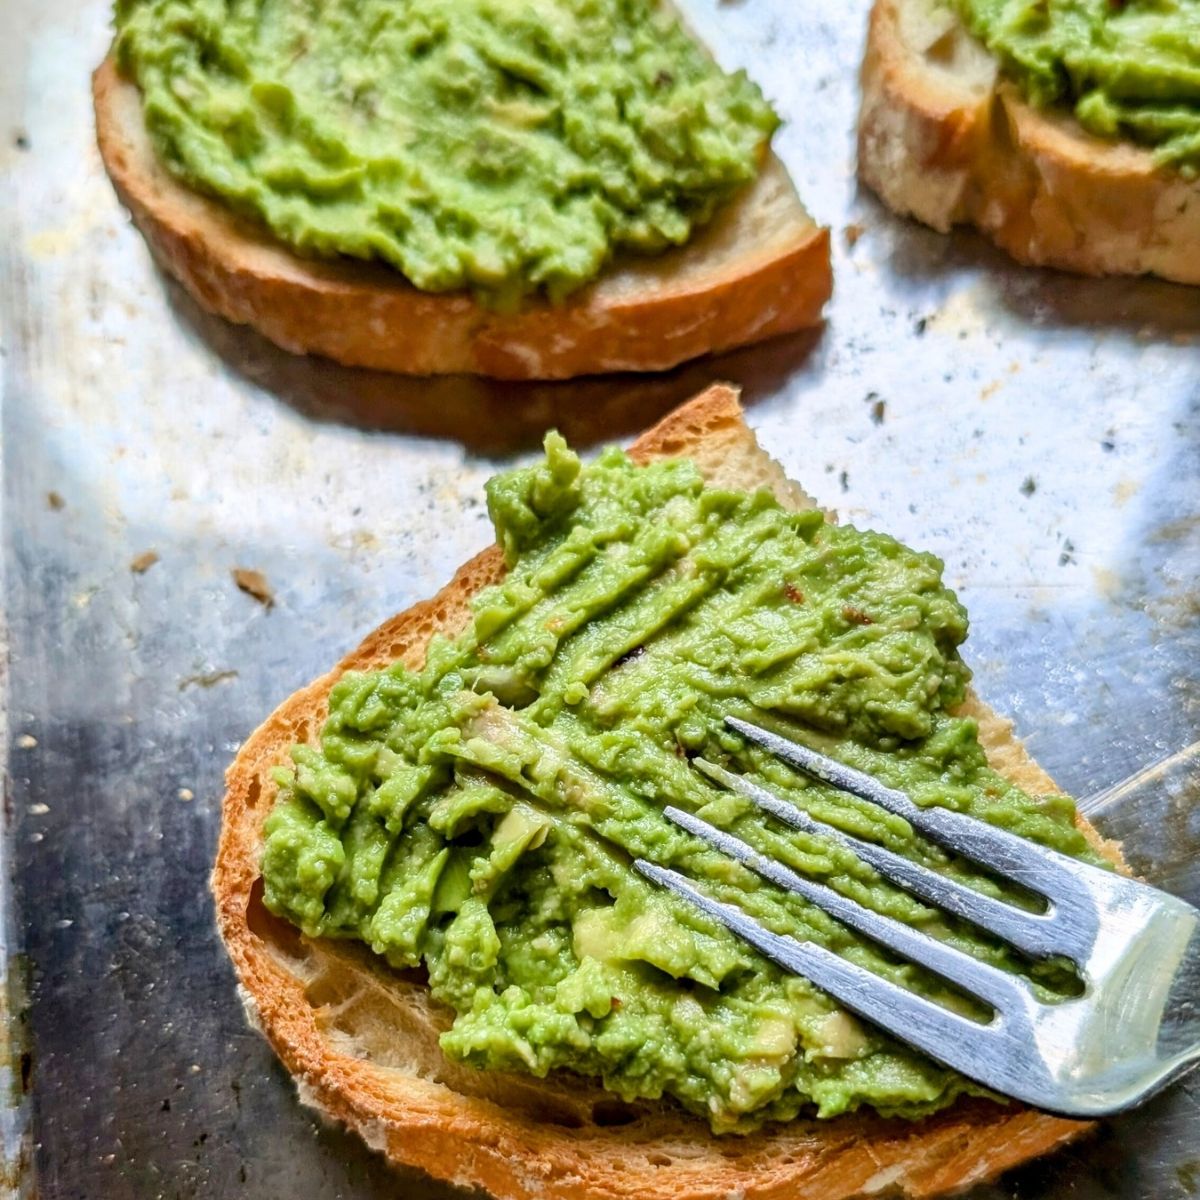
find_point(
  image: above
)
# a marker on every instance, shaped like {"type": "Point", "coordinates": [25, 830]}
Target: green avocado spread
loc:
{"type": "Point", "coordinates": [479, 817]}
{"type": "Point", "coordinates": [1124, 68]}
{"type": "Point", "coordinates": [507, 146]}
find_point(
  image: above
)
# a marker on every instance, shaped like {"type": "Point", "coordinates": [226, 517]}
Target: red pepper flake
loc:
{"type": "Point", "coordinates": [616, 1002]}
{"type": "Point", "coordinates": [793, 593]}
{"type": "Point", "coordinates": [856, 616]}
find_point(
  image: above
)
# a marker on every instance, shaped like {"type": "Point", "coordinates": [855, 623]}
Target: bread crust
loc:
{"type": "Point", "coordinates": [361, 1040]}
{"type": "Point", "coordinates": [759, 269]}
{"type": "Point", "coordinates": [944, 138]}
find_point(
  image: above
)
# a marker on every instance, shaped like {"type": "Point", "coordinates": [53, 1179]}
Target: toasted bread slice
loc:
{"type": "Point", "coordinates": [759, 268]}
{"type": "Point", "coordinates": [944, 138]}
{"type": "Point", "coordinates": [362, 1040]}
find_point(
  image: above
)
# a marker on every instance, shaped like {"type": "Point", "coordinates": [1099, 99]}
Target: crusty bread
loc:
{"type": "Point", "coordinates": [361, 1040]}
{"type": "Point", "coordinates": [758, 269]}
{"type": "Point", "coordinates": [944, 138]}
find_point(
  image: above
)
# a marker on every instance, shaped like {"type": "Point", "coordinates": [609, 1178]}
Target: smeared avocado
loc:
{"type": "Point", "coordinates": [507, 146]}
{"type": "Point", "coordinates": [480, 816]}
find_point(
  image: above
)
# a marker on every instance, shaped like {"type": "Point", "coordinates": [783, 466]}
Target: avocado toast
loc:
{"type": "Point", "coordinates": [362, 1039]}
{"type": "Point", "coordinates": [950, 135]}
{"type": "Point", "coordinates": [536, 191]}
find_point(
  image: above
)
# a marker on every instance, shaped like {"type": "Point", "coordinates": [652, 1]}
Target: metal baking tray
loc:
{"type": "Point", "coordinates": [1040, 432]}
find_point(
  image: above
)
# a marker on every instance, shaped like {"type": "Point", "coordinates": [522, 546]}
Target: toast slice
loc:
{"type": "Point", "coordinates": [943, 137]}
{"type": "Point", "coordinates": [361, 1040]}
{"type": "Point", "coordinates": [758, 269]}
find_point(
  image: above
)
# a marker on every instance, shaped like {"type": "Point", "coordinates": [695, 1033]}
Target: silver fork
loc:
{"type": "Point", "coordinates": [1134, 1028]}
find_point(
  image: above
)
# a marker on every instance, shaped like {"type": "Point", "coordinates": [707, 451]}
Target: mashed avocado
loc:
{"type": "Point", "coordinates": [509, 146]}
{"type": "Point", "coordinates": [479, 816]}
{"type": "Point", "coordinates": [1125, 68]}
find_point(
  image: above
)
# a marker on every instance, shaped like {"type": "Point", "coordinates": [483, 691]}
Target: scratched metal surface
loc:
{"type": "Point", "coordinates": [1041, 433]}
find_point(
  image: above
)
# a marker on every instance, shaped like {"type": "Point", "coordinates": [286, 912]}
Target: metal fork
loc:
{"type": "Point", "coordinates": [1134, 1028]}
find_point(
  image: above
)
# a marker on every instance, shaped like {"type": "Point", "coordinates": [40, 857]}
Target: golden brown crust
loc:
{"type": "Point", "coordinates": [943, 138]}
{"type": "Point", "coordinates": [759, 269]}
{"type": "Point", "coordinates": [361, 1041]}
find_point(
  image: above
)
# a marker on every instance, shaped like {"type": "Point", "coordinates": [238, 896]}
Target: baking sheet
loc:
{"type": "Point", "coordinates": [1040, 432]}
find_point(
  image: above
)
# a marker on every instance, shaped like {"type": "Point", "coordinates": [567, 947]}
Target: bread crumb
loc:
{"type": "Point", "coordinates": [143, 562]}
{"type": "Point", "coordinates": [26, 741]}
{"type": "Point", "coordinates": [55, 502]}
{"type": "Point", "coordinates": [852, 233]}
{"type": "Point", "coordinates": [186, 794]}
{"type": "Point", "coordinates": [254, 583]}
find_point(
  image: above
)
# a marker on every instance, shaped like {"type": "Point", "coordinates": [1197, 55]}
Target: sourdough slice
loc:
{"type": "Point", "coordinates": [758, 269]}
{"type": "Point", "coordinates": [944, 138]}
{"type": "Point", "coordinates": [361, 1039]}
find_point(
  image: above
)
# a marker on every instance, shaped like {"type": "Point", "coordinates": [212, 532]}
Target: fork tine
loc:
{"type": "Point", "coordinates": [947, 1037]}
{"type": "Point", "coordinates": [1040, 869]}
{"type": "Point", "coordinates": [1003, 992]}
{"type": "Point", "coordinates": [1032, 933]}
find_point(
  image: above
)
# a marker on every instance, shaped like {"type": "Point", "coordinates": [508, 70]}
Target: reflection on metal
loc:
{"type": "Point", "coordinates": [1038, 431]}
{"type": "Point", "coordinates": [1183, 765]}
